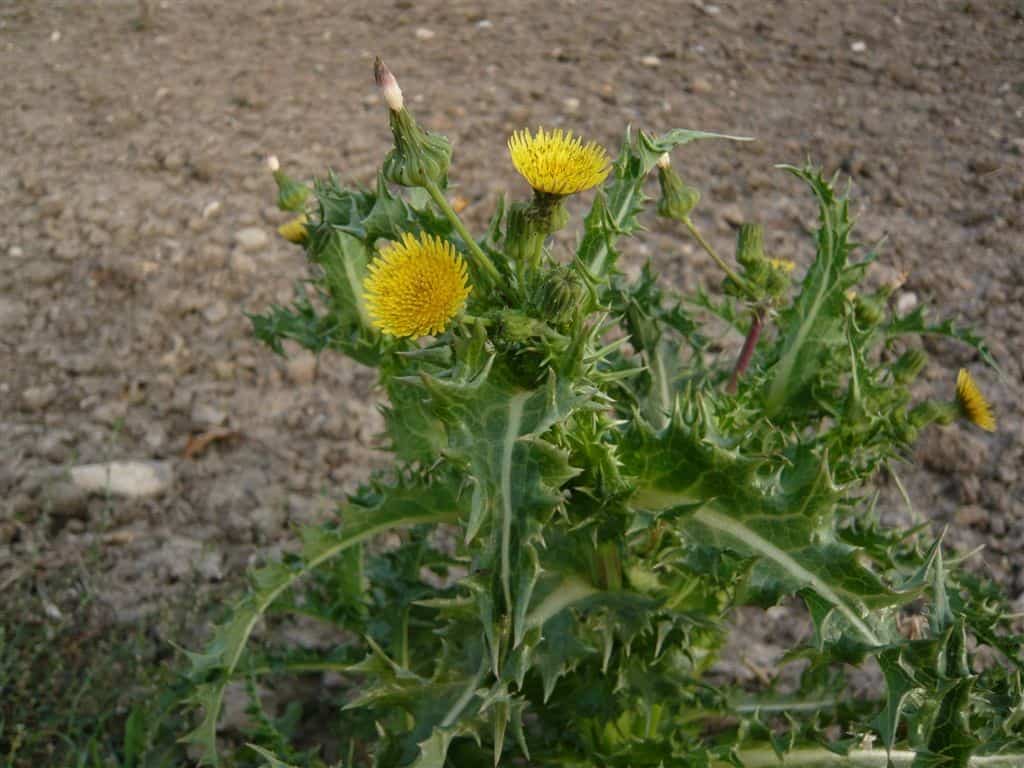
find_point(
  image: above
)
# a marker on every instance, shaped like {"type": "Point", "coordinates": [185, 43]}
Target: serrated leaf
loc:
{"type": "Point", "coordinates": [915, 323]}
{"type": "Point", "coordinates": [786, 523]}
{"type": "Point", "coordinates": [813, 324]}
{"type": "Point", "coordinates": [402, 506]}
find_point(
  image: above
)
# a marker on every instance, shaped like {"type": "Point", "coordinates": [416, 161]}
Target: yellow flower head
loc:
{"type": "Point", "coordinates": [416, 287]}
{"type": "Point", "coordinates": [294, 230]}
{"type": "Point", "coordinates": [783, 265]}
{"type": "Point", "coordinates": [556, 163]}
{"type": "Point", "coordinates": [973, 404]}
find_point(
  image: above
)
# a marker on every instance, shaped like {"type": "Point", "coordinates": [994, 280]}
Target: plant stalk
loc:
{"type": "Point", "coordinates": [749, 345]}
{"type": "Point", "coordinates": [480, 259]}
{"type": "Point", "coordinates": [692, 229]}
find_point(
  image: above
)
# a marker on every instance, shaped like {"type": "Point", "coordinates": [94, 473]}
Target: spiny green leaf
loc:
{"type": "Point", "coordinates": [402, 506]}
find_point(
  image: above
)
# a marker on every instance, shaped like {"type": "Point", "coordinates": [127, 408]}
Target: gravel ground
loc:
{"type": "Point", "coordinates": [139, 225]}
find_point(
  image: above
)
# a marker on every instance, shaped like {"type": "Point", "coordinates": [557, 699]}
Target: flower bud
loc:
{"type": "Point", "coordinates": [750, 246]}
{"type": "Point", "coordinates": [560, 296]}
{"type": "Point", "coordinates": [295, 231]}
{"type": "Point", "coordinates": [388, 85]}
{"type": "Point", "coordinates": [291, 194]}
{"type": "Point", "coordinates": [868, 311]}
{"type": "Point", "coordinates": [419, 157]}
{"type": "Point", "coordinates": [677, 199]}
{"type": "Point", "coordinates": [910, 364]}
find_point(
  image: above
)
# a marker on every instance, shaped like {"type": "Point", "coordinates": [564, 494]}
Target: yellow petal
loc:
{"type": "Point", "coordinates": [973, 404]}
{"type": "Point", "coordinates": [415, 287]}
{"type": "Point", "coordinates": [556, 163]}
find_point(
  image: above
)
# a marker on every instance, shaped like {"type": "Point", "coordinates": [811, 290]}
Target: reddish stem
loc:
{"type": "Point", "coordinates": [749, 344]}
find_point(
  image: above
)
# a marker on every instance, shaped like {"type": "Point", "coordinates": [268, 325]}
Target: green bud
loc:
{"type": "Point", "coordinates": [868, 311]}
{"type": "Point", "coordinates": [419, 157]}
{"type": "Point", "coordinates": [291, 194]}
{"type": "Point", "coordinates": [933, 412]}
{"type": "Point", "coordinates": [750, 249]}
{"type": "Point", "coordinates": [677, 198]}
{"type": "Point", "coordinates": [560, 296]}
{"type": "Point", "coordinates": [910, 364]}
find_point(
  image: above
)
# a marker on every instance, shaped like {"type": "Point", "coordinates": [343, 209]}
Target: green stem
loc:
{"type": "Point", "coordinates": [858, 758]}
{"type": "Point", "coordinates": [480, 259]}
{"type": "Point", "coordinates": [740, 283]}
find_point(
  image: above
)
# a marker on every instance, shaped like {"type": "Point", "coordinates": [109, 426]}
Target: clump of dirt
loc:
{"type": "Point", "coordinates": [139, 225]}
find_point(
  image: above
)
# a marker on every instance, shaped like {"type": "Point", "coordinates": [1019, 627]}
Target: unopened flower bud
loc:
{"type": "Point", "coordinates": [664, 161]}
{"type": "Point", "coordinates": [388, 85]}
{"type": "Point", "coordinates": [910, 364]}
{"type": "Point", "coordinates": [750, 245]}
{"type": "Point", "coordinates": [420, 158]}
{"type": "Point", "coordinates": [291, 194]}
{"type": "Point", "coordinates": [677, 198]}
{"type": "Point", "coordinates": [560, 296]}
{"type": "Point", "coordinates": [295, 231]}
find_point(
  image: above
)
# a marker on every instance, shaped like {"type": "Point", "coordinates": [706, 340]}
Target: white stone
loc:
{"type": "Point", "coordinates": [651, 61]}
{"type": "Point", "coordinates": [134, 479]}
{"type": "Point", "coordinates": [422, 33]}
{"type": "Point", "coordinates": [906, 302]}
{"type": "Point", "coordinates": [251, 238]}
{"type": "Point", "coordinates": [858, 46]}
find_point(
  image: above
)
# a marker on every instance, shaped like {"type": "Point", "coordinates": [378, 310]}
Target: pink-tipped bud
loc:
{"type": "Point", "coordinates": [388, 85]}
{"type": "Point", "coordinates": [664, 161]}
{"type": "Point", "coordinates": [273, 164]}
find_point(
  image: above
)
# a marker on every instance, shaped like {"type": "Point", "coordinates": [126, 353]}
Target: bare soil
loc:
{"type": "Point", "coordinates": [131, 176]}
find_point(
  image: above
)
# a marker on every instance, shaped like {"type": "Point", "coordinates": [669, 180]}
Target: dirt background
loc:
{"type": "Point", "coordinates": [138, 224]}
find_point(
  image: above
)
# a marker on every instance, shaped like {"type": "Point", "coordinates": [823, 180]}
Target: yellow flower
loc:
{"type": "Point", "coordinates": [556, 163]}
{"type": "Point", "coordinates": [294, 230]}
{"type": "Point", "coordinates": [973, 404]}
{"type": "Point", "coordinates": [416, 287]}
{"type": "Point", "coordinates": [783, 265]}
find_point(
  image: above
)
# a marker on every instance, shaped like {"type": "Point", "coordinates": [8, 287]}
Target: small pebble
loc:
{"type": "Point", "coordinates": [651, 61]}
{"type": "Point", "coordinates": [124, 478]}
{"type": "Point", "coordinates": [906, 302]}
{"type": "Point", "coordinates": [423, 33]}
{"type": "Point", "coordinates": [701, 85]}
{"type": "Point", "coordinates": [216, 312]}
{"type": "Point", "coordinates": [571, 104]}
{"type": "Point", "coordinates": [251, 238]}
{"type": "Point", "coordinates": [858, 46]}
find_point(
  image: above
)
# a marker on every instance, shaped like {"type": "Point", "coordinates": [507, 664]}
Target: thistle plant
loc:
{"type": "Point", "coordinates": [585, 490]}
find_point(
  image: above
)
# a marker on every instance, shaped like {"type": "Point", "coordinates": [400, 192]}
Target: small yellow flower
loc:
{"type": "Point", "coordinates": [294, 231]}
{"type": "Point", "coordinates": [556, 163]}
{"type": "Point", "coordinates": [973, 404]}
{"type": "Point", "coordinates": [783, 265]}
{"type": "Point", "coordinates": [416, 287]}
